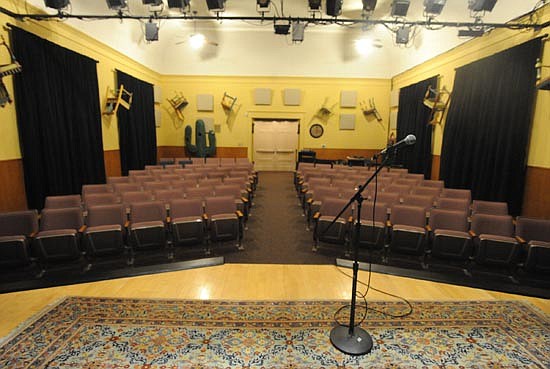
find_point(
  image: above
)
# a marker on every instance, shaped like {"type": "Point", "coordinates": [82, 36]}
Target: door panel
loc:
{"type": "Point", "coordinates": [275, 145]}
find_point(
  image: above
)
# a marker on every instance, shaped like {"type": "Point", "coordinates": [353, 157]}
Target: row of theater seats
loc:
{"type": "Point", "coordinates": [126, 216]}
{"type": "Point", "coordinates": [440, 223]}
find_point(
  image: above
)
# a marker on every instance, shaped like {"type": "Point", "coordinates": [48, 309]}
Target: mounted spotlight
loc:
{"type": "Point", "coordinates": [400, 8]}
{"type": "Point", "coordinates": [282, 27]}
{"type": "Point", "coordinates": [403, 35]}
{"type": "Point", "coordinates": [262, 5]}
{"type": "Point", "coordinates": [369, 5]}
{"type": "Point", "coordinates": [470, 32]}
{"type": "Point", "coordinates": [151, 31]}
{"type": "Point", "coordinates": [298, 29]}
{"type": "Point", "coordinates": [179, 4]}
{"type": "Point", "coordinates": [314, 5]}
{"type": "Point", "coordinates": [481, 5]}
{"type": "Point", "coordinates": [57, 4]}
{"type": "Point", "coordinates": [216, 5]}
{"type": "Point", "coordinates": [117, 4]}
{"type": "Point", "coordinates": [152, 2]}
{"type": "Point", "coordinates": [434, 7]}
{"type": "Point", "coordinates": [334, 7]}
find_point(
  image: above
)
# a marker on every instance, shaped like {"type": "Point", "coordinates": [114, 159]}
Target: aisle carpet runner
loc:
{"type": "Point", "coordinates": [179, 334]}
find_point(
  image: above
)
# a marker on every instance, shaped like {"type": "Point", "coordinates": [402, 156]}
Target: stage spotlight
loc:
{"type": "Point", "coordinates": [470, 32]}
{"type": "Point", "coordinates": [151, 31]}
{"type": "Point", "coordinates": [434, 7]}
{"type": "Point", "coordinates": [178, 4]}
{"type": "Point", "coordinates": [298, 29]}
{"type": "Point", "coordinates": [152, 2]}
{"type": "Point", "coordinates": [282, 27]}
{"type": "Point", "coordinates": [334, 7]}
{"type": "Point", "coordinates": [314, 5]}
{"type": "Point", "coordinates": [399, 8]}
{"type": "Point", "coordinates": [369, 5]}
{"type": "Point", "coordinates": [216, 5]}
{"type": "Point", "coordinates": [263, 4]}
{"type": "Point", "coordinates": [57, 4]}
{"type": "Point", "coordinates": [481, 5]}
{"type": "Point", "coordinates": [402, 36]}
{"type": "Point", "coordinates": [116, 4]}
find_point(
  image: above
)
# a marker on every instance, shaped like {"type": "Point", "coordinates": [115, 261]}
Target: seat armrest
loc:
{"type": "Point", "coordinates": [428, 228]}
{"type": "Point", "coordinates": [168, 219]}
{"type": "Point", "coordinates": [32, 234]}
{"type": "Point", "coordinates": [316, 215]}
{"type": "Point", "coordinates": [127, 224]}
{"type": "Point", "coordinates": [310, 200]}
{"type": "Point", "coordinates": [82, 229]}
{"type": "Point", "coordinates": [520, 240]}
{"type": "Point", "coordinates": [205, 216]}
{"type": "Point", "coordinates": [350, 219]}
{"type": "Point", "coordinates": [388, 224]}
{"type": "Point", "coordinates": [472, 233]}
{"type": "Point", "coordinates": [245, 200]}
{"type": "Point", "coordinates": [239, 213]}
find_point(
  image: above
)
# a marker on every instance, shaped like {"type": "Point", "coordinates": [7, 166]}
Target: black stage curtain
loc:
{"type": "Point", "coordinates": [413, 118]}
{"type": "Point", "coordinates": [58, 117]}
{"type": "Point", "coordinates": [487, 130]}
{"type": "Point", "coordinates": [136, 127]}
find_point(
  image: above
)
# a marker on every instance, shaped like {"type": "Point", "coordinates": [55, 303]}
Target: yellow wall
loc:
{"type": "Point", "coordinates": [494, 42]}
{"type": "Point", "coordinates": [237, 132]}
{"type": "Point", "coordinates": [108, 59]}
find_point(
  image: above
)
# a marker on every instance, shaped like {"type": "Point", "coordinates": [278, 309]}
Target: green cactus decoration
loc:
{"type": "Point", "coordinates": [200, 149]}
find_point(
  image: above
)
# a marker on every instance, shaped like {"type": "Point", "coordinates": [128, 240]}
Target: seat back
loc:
{"type": "Point", "coordinates": [169, 177]}
{"type": "Point", "coordinates": [344, 183]}
{"type": "Point", "coordinates": [53, 219]}
{"type": "Point", "coordinates": [220, 205]}
{"type": "Point", "coordinates": [411, 182]}
{"type": "Point", "coordinates": [99, 215]}
{"type": "Point", "coordinates": [454, 220]}
{"type": "Point", "coordinates": [331, 206]}
{"type": "Point", "coordinates": [141, 179]}
{"type": "Point", "coordinates": [126, 187]}
{"type": "Point", "coordinates": [65, 201]}
{"type": "Point", "coordinates": [453, 204]}
{"type": "Point", "coordinates": [96, 188]}
{"type": "Point", "coordinates": [402, 190]}
{"type": "Point", "coordinates": [148, 211]}
{"type": "Point", "coordinates": [100, 199]}
{"type": "Point", "coordinates": [19, 223]}
{"type": "Point", "coordinates": [152, 186]}
{"type": "Point", "coordinates": [426, 191]}
{"type": "Point", "coordinates": [210, 182]}
{"type": "Point", "coordinates": [380, 212]}
{"type": "Point", "coordinates": [181, 208]}
{"type": "Point", "coordinates": [114, 180]}
{"type": "Point", "coordinates": [199, 192]}
{"type": "Point", "coordinates": [228, 190]}
{"type": "Point", "coordinates": [499, 225]}
{"type": "Point", "coordinates": [408, 215]}
{"type": "Point", "coordinates": [457, 194]}
{"type": "Point", "coordinates": [426, 202]}
{"type": "Point", "coordinates": [531, 229]}
{"type": "Point", "coordinates": [433, 183]}
{"type": "Point", "coordinates": [489, 207]}
{"type": "Point", "coordinates": [136, 196]}
{"type": "Point", "coordinates": [167, 195]}
{"type": "Point", "coordinates": [227, 161]}
{"type": "Point", "coordinates": [388, 198]}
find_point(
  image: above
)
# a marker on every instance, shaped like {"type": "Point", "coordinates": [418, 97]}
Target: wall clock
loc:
{"type": "Point", "coordinates": [316, 130]}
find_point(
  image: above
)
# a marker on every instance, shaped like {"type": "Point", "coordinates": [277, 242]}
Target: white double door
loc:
{"type": "Point", "coordinates": [275, 145]}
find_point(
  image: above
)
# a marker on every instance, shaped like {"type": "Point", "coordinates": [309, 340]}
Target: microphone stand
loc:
{"type": "Point", "coordinates": [350, 339]}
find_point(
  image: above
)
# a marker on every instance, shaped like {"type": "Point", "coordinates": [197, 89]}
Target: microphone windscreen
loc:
{"type": "Point", "coordinates": [410, 139]}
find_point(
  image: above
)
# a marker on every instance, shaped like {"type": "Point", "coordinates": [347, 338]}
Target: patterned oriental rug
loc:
{"type": "Point", "coordinates": [178, 334]}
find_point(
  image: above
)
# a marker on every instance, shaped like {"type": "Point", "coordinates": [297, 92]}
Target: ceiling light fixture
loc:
{"type": "Point", "coordinates": [470, 32]}
{"type": "Point", "coordinates": [481, 5]}
{"type": "Point", "coordinates": [400, 8]}
{"type": "Point", "coordinates": [197, 41]}
{"type": "Point", "coordinates": [263, 4]}
{"type": "Point", "coordinates": [182, 5]}
{"type": "Point", "coordinates": [434, 7]}
{"type": "Point", "coordinates": [403, 35]}
{"type": "Point", "coordinates": [117, 4]}
{"type": "Point", "coordinates": [151, 31]}
{"type": "Point", "coordinates": [216, 5]}
{"type": "Point", "coordinates": [152, 2]}
{"type": "Point", "coordinates": [314, 5]}
{"type": "Point", "coordinates": [282, 27]}
{"type": "Point", "coordinates": [298, 30]}
{"type": "Point", "coordinates": [369, 5]}
{"type": "Point", "coordinates": [57, 4]}
{"type": "Point", "coordinates": [334, 7]}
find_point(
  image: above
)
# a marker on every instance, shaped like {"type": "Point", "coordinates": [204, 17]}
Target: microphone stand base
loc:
{"type": "Point", "coordinates": [358, 343]}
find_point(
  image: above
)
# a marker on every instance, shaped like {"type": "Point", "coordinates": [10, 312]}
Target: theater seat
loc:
{"type": "Point", "coordinates": [16, 228]}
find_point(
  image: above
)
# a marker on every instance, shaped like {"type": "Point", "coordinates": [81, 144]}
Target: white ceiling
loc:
{"type": "Point", "coordinates": [252, 48]}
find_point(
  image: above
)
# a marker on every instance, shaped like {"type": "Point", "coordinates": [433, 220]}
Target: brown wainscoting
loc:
{"type": "Point", "coordinates": [536, 198]}
{"type": "Point", "coordinates": [12, 180]}
{"type": "Point", "coordinates": [112, 163]}
{"type": "Point", "coordinates": [221, 152]}
{"type": "Point", "coordinates": [436, 164]}
{"type": "Point", "coordinates": [341, 154]}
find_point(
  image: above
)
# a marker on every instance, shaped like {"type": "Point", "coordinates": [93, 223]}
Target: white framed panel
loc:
{"type": "Point", "coordinates": [393, 119]}
{"type": "Point", "coordinates": [205, 102]}
{"type": "Point", "coordinates": [292, 96]}
{"type": "Point", "coordinates": [158, 116]}
{"type": "Point", "coordinates": [394, 98]}
{"type": "Point", "coordinates": [348, 99]}
{"type": "Point", "coordinates": [157, 91]}
{"type": "Point", "coordinates": [347, 122]}
{"type": "Point", "coordinates": [262, 96]}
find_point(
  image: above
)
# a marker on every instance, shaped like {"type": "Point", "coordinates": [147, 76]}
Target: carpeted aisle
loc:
{"type": "Point", "coordinates": [277, 230]}
{"type": "Point", "coordinates": [103, 333]}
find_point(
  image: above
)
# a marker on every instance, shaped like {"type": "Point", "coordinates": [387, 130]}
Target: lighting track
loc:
{"type": "Point", "coordinates": [314, 20]}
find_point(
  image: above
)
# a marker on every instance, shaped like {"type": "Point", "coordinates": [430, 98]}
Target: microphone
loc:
{"type": "Point", "coordinates": [409, 140]}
